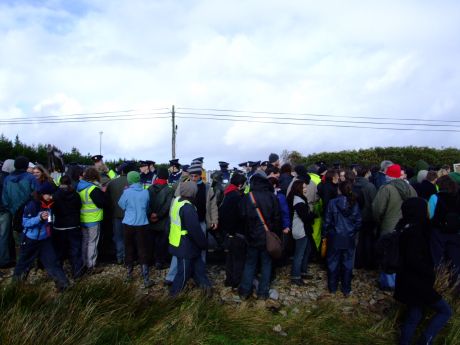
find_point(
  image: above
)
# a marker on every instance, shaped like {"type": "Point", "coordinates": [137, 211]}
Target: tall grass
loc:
{"type": "Point", "coordinates": [111, 312]}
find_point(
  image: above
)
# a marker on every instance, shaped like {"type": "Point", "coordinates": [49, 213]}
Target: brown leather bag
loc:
{"type": "Point", "coordinates": [274, 244]}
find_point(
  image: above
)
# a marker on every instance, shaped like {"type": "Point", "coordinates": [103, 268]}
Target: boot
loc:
{"type": "Point", "coordinates": [145, 274]}
{"type": "Point", "coordinates": [129, 273]}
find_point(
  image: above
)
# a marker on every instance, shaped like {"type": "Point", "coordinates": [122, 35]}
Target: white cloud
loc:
{"type": "Point", "coordinates": [355, 58]}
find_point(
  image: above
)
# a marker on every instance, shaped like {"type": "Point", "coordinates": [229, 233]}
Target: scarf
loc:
{"type": "Point", "coordinates": [160, 181]}
{"type": "Point", "coordinates": [230, 188]}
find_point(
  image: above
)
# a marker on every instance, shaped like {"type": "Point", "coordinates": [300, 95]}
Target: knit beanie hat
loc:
{"type": "Point", "coordinates": [195, 167]}
{"type": "Point", "coordinates": [188, 189]}
{"type": "Point", "coordinates": [133, 177]}
{"type": "Point", "coordinates": [421, 175]}
{"type": "Point", "coordinates": [46, 188]}
{"type": "Point", "coordinates": [273, 157]}
{"type": "Point", "coordinates": [300, 170]}
{"type": "Point", "coordinates": [385, 164]}
{"type": "Point", "coordinates": [163, 173]}
{"type": "Point", "coordinates": [21, 163]}
{"type": "Point", "coordinates": [8, 166]}
{"type": "Point", "coordinates": [394, 171]}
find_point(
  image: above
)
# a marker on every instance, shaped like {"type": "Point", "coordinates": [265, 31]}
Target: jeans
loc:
{"type": "Point", "coordinates": [89, 244]}
{"type": "Point", "coordinates": [253, 254]}
{"type": "Point", "coordinates": [204, 229]}
{"type": "Point", "coordinates": [340, 263]}
{"type": "Point", "coordinates": [189, 268]}
{"type": "Point", "coordinates": [67, 243]}
{"type": "Point", "coordinates": [301, 254]}
{"type": "Point", "coordinates": [172, 270]}
{"type": "Point", "coordinates": [414, 316]}
{"type": "Point", "coordinates": [5, 238]}
{"type": "Point", "coordinates": [234, 261]}
{"type": "Point", "coordinates": [30, 250]}
{"type": "Point", "coordinates": [118, 239]}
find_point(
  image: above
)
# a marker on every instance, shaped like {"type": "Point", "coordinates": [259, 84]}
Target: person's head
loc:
{"type": "Point", "coordinates": [363, 171]}
{"type": "Point", "coordinates": [133, 177]}
{"type": "Point", "coordinates": [394, 171]}
{"type": "Point", "coordinates": [40, 173]}
{"type": "Point", "coordinates": [238, 180]}
{"type": "Point", "coordinates": [432, 176]}
{"type": "Point", "coordinates": [45, 190]}
{"type": "Point", "coordinates": [97, 161]}
{"type": "Point", "coordinates": [162, 173]}
{"type": "Point", "coordinates": [21, 163]}
{"type": "Point", "coordinates": [274, 160]}
{"type": "Point", "coordinates": [421, 175]}
{"type": "Point", "coordinates": [143, 167]}
{"type": "Point", "coordinates": [286, 168]}
{"type": "Point", "coordinates": [174, 165]}
{"type": "Point", "coordinates": [350, 176]}
{"type": "Point", "coordinates": [273, 171]}
{"type": "Point", "coordinates": [30, 168]}
{"type": "Point", "coordinates": [384, 166]}
{"type": "Point", "coordinates": [342, 175]}
{"type": "Point", "coordinates": [447, 168]}
{"type": "Point", "coordinates": [273, 181]}
{"type": "Point", "coordinates": [299, 188]}
{"type": "Point", "coordinates": [332, 176]}
{"type": "Point", "coordinates": [346, 189]}
{"type": "Point", "coordinates": [151, 166]}
{"type": "Point", "coordinates": [91, 175]}
{"type": "Point", "coordinates": [65, 180]}
{"type": "Point", "coordinates": [447, 184]}
{"type": "Point", "coordinates": [188, 190]}
{"type": "Point", "coordinates": [195, 171]}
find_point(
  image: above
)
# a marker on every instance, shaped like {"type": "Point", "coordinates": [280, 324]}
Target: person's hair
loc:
{"type": "Point", "coordinates": [447, 184]}
{"type": "Point", "coordinates": [273, 181]}
{"type": "Point", "coordinates": [238, 179]}
{"type": "Point", "coordinates": [45, 174]}
{"type": "Point", "coordinates": [361, 171]}
{"type": "Point", "coordinates": [65, 180]}
{"type": "Point", "coordinates": [75, 172]}
{"type": "Point", "coordinates": [330, 173]}
{"type": "Point", "coordinates": [296, 190]}
{"type": "Point", "coordinates": [91, 174]}
{"type": "Point", "coordinates": [350, 175]}
{"type": "Point", "coordinates": [286, 168]}
{"type": "Point", "coordinates": [446, 167]}
{"type": "Point", "coordinates": [431, 176]}
{"type": "Point", "coordinates": [346, 189]}
{"type": "Point", "coordinates": [272, 170]}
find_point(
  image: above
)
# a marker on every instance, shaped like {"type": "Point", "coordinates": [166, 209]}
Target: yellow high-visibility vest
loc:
{"type": "Point", "coordinates": [89, 212]}
{"type": "Point", "coordinates": [176, 232]}
{"type": "Point", "coordinates": [111, 174]}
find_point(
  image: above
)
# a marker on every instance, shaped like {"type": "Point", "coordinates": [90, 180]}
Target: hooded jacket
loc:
{"type": "Point", "coordinates": [67, 205]}
{"type": "Point", "coordinates": [386, 206]}
{"type": "Point", "coordinates": [365, 192]}
{"type": "Point", "coordinates": [34, 227]}
{"type": "Point", "coordinates": [113, 192]}
{"type": "Point", "coordinates": [135, 202]}
{"type": "Point", "coordinates": [267, 202]}
{"type": "Point", "coordinates": [341, 223]}
{"type": "Point", "coordinates": [97, 195]}
{"type": "Point", "coordinates": [17, 189]}
{"type": "Point", "coordinates": [160, 203]}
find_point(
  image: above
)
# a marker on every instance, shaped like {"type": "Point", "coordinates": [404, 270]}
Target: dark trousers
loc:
{"type": "Point", "coordinates": [30, 250]}
{"type": "Point", "coordinates": [364, 256]}
{"type": "Point", "coordinates": [160, 247]}
{"type": "Point", "coordinates": [189, 268]}
{"type": "Point", "coordinates": [68, 244]}
{"type": "Point", "coordinates": [414, 316]}
{"type": "Point", "coordinates": [446, 248]}
{"type": "Point", "coordinates": [234, 261]}
{"type": "Point", "coordinates": [137, 239]}
{"type": "Point", "coordinates": [339, 265]}
{"type": "Point", "coordinates": [253, 255]}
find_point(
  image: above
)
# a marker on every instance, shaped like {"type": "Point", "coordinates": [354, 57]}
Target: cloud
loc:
{"type": "Point", "coordinates": [356, 58]}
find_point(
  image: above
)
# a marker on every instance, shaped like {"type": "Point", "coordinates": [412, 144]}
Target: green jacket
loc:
{"type": "Point", "coordinates": [161, 197]}
{"type": "Point", "coordinates": [386, 206]}
{"type": "Point", "coordinates": [455, 176]}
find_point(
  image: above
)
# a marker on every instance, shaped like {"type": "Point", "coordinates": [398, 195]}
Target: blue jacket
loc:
{"type": "Point", "coordinates": [194, 241]}
{"type": "Point", "coordinates": [135, 202]}
{"type": "Point", "coordinates": [341, 223]}
{"type": "Point", "coordinates": [17, 189]}
{"type": "Point", "coordinates": [284, 211]}
{"type": "Point", "coordinates": [34, 227]}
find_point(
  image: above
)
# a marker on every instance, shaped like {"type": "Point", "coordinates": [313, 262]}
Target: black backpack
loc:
{"type": "Point", "coordinates": [387, 252]}
{"type": "Point", "coordinates": [450, 223]}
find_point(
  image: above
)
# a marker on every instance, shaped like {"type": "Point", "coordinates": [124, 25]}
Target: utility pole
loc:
{"type": "Point", "coordinates": [174, 128]}
{"type": "Point", "coordinates": [100, 142]}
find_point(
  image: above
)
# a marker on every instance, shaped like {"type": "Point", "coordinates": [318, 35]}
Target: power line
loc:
{"type": "Point", "coordinates": [84, 114]}
{"type": "Point", "coordinates": [317, 115]}
{"type": "Point", "coordinates": [320, 120]}
{"type": "Point", "coordinates": [38, 120]}
{"type": "Point", "coordinates": [86, 120]}
{"type": "Point", "coordinates": [321, 125]}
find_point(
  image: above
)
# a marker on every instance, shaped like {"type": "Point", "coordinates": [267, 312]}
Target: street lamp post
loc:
{"type": "Point", "coordinates": [100, 142]}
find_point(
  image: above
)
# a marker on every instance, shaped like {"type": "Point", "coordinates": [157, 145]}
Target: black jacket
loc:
{"type": "Point", "coordinates": [415, 281]}
{"type": "Point", "coordinates": [365, 193]}
{"type": "Point", "coordinates": [67, 205]}
{"type": "Point", "coordinates": [160, 203]}
{"type": "Point", "coordinates": [425, 189]}
{"type": "Point", "coordinates": [230, 220]}
{"type": "Point", "coordinates": [327, 191]}
{"type": "Point", "coordinates": [267, 202]}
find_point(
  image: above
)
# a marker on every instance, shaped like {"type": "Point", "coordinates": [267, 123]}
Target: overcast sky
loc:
{"type": "Point", "coordinates": [390, 59]}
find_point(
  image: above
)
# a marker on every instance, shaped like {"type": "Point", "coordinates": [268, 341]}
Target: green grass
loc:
{"type": "Point", "coordinates": [110, 312]}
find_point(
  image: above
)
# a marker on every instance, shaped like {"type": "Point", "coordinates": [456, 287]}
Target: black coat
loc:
{"type": "Point", "coordinates": [327, 191]}
{"type": "Point", "coordinates": [267, 202]}
{"type": "Point", "coordinates": [415, 281]}
{"type": "Point", "coordinates": [425, 189]}
{"type": "Point", "coordinates": [230, 220]}
{"type": "Point", "coordinates": [67, 205]}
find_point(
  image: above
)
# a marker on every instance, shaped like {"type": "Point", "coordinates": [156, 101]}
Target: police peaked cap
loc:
{"type": "Point", "coordinates": [150, 162]}
{"type": "Point", "coordinates": [174, 162]}
{"type": "Point", "coordinates": [143, 163]}
{"type": "Point", "coordinates": [265, 163]}
{"type": "Point", "coordinates": [254, 164]}
{"type": "Point", "coordinates": [97, 158]}
{"type": "Point", "coordinates": [223, 164]}
{"type": "Point", "coordinates": [244, 164]}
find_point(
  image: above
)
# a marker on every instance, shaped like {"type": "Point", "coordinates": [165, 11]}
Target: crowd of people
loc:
{"type": "Point", "coordinates": [172, 218]}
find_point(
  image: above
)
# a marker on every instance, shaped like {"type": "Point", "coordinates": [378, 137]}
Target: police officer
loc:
{"type": "Point", "coordinates": [147, 176]}
{"type": "Point", "coordinates": [175, 171]}
{"type": "Point", "coordinates": [225, 173]}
